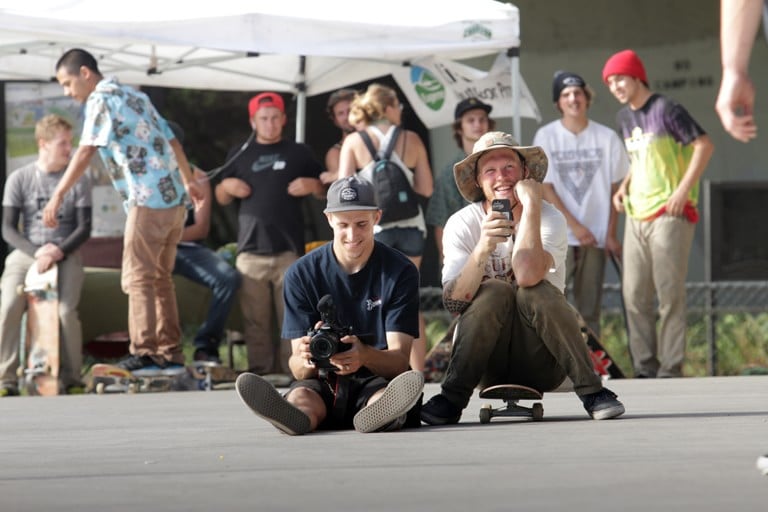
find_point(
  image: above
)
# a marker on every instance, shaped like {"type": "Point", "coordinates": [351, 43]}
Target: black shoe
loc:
{"type": "Point", "coordinates": [440, 411]}
{"type": "Point", "coordinates": [8, 391]}
{"type": "Point", "coordinates": [263, 399]}
{"type": "Point", "coordinates": [75, 389]}
{"type": "Point", "coordinates": [207, 356]}
{"type": "Point", "coordinates": [133, 362]}
{"type": "Point", "coordinates": [602, 405]}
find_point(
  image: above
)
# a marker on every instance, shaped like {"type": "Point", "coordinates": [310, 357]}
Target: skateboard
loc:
{"type": "Point", "coordinates": [206, 376]}
{"type": "Point", "coordinates": [511, 394]}
{"type": "Point", "coordinates": [108, 378]}
{"type": "Point", "coordinates": [602, 361]}
{"type": "Point", "coordinates": [39, 347]}
{"type": "Point", "coordinates": [438, 357]}
{"type": "Point", "coordinates": [620, 272]}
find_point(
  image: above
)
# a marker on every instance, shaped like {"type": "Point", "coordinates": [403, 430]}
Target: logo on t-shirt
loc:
{"type": "Point", "coordinates": [268, 161]}
{"type": "Point", "coordinates": [372, 304]}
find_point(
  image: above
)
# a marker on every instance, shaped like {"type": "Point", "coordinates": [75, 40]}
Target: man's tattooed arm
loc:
{"type": "Point", "coordinates": [452, 305]}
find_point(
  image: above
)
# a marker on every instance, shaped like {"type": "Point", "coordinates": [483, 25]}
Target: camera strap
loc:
{"type": "Point", "coordinates": [341, 397]}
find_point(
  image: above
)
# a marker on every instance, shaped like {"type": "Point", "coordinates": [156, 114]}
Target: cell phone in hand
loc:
{"type": "Point", "coordinates": [503, 206]}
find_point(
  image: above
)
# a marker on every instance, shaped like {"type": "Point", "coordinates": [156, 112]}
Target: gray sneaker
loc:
{"type": "Point", "coordinates": [602, 405]}
{"type": "Point", "coordinates": [263, 399]}
{"type": "Point", "coordinates": [401, 394]}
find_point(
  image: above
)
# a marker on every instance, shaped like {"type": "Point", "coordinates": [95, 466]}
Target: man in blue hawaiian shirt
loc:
{"type": "Point", "coordinates": [149, 169]}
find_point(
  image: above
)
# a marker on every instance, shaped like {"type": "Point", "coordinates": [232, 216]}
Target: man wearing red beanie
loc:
{"type": "Point", "coordinates": [668, 153]}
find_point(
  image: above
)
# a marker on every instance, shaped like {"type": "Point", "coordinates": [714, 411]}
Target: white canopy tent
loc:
{"type": "Point", "coordinates": [300, 46]}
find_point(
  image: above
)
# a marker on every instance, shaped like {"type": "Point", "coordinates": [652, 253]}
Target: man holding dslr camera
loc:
{"type": "Point", "coordinates": [360, 300]}
{"type": "Point", "coordinates": [504, 272]}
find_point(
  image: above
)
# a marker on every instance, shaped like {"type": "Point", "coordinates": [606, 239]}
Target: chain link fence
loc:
{"type": "Point", "coordinates": [703, 298]}
{"type": "Point", "coordinates": [707, 299]}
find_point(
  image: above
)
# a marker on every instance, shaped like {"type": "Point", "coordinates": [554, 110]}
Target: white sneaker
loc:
{"type": "Point", "coordinates": [401, 394]}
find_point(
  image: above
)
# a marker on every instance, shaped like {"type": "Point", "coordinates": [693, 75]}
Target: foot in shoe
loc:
{"type": "Point", "coordinates": [263, 399]}
{"type": "Point", "coordinates": [398, 398]}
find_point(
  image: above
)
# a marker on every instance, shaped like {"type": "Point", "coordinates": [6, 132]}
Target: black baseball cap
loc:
{"type": "Point", "coordinates": [351, 193]}
{"type": "Point", "coordinates": [470, 104]}
{"type": "Point", "coordinates": [563, 79]}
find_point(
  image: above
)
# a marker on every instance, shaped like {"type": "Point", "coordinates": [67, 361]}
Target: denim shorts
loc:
{"type": "Point", "coordinates": [409, 241]}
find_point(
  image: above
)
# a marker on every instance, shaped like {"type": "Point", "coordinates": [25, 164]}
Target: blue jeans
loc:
{"type": "Point", "coordinates": [203, 266]}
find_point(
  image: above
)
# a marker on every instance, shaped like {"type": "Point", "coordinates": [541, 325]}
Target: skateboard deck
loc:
{"type": "Point", "coordinates": [602, 361]}
{"type": "Point", "coordinates": [40, 340]}
{"type": "Point", "coordinates": [511, 394]}
{"type": "Point", "coordinates": [108, 378]}
{"type": "Point", "coordinates": [438, 357]}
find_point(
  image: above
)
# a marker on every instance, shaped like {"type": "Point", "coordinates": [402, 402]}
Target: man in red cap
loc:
{"type": "Point", "coordinates": [267, 181]}
{"type": "Point", "coordinates": [668, 153]}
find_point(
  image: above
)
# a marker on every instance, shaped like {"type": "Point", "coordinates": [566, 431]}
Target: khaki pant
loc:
{"type": "Point", "coordinates": [149, 254]}
{"type": "Point", "coordinates": [260, 291]}
{"type": "Point", "coordinates": [13, 305]}
{"type": "Point", "coordinates": [510, 335]}
{"type": "Point", "coordinates": [585, 270]}
{"type": "Point", "coordinates": [655, 267]}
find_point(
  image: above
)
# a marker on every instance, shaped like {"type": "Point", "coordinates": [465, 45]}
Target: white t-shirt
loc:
{"type": "Point", "coordinates": [462, 233]}
{"type": "Point", "coordinates": [582, 168]}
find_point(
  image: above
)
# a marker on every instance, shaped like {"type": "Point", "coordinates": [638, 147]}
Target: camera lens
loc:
{"type": "Point", "coordinates": [322, 346]}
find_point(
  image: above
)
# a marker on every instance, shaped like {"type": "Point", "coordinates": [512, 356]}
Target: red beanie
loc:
{"type": "Point", "coordinates": [627, 63]}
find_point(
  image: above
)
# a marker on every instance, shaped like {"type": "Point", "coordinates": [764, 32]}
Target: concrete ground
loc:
{"type": "Point", "coordinates": [684, 444]}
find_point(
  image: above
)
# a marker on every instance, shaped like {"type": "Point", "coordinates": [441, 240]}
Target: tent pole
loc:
{"type": "Point", "coordinates": [301, 100]}
{"type": "Point", "coordinates": [514, 53]}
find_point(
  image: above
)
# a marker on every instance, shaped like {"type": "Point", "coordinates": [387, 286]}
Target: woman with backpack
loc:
{"type": "Point", "coordinates": [377, 114]}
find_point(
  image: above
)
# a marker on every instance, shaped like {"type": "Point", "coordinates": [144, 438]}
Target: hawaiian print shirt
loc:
{"type": "Point", "coordinates": [132, 140]}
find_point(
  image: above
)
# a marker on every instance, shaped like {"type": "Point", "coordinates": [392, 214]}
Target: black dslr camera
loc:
{"type": "Point", "coordinates": [325, 341]}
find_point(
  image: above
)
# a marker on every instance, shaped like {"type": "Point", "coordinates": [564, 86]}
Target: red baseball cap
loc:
{"type": "Point", "coordinates": [265, 99]}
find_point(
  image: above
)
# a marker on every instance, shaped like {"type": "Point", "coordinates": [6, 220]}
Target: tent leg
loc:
{"type": "Point", "coordinates": [515, 69]}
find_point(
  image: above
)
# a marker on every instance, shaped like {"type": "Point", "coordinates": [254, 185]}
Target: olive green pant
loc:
{"type": "Point", "coordinates": [510, 335]}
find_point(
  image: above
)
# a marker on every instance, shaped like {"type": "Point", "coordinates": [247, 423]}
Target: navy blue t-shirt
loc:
{"type": "Point", "coordinates": [381, 297]}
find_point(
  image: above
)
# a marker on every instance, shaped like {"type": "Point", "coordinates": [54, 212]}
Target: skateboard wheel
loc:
{"type": "Point", "coordinates": [485, 414]}
{"type": "Point", "coordinates": [132, 388]}
{"type": "Point", "coordinates": [538, 412]}
{"type": "Point", "coordinates": [100, 388]}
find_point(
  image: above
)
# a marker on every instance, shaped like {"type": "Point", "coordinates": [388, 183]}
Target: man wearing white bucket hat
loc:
{"type": "Point", "coordinates": [505, 275]}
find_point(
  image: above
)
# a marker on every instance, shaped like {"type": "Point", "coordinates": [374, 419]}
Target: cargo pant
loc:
{"type": "Point", "coordinates": [510, 335]}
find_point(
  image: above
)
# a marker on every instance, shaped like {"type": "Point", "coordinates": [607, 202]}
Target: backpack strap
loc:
{"type": "Point", "coordinates": [369, 144]}
{"type": "Point", "coordinates": [392, 141]}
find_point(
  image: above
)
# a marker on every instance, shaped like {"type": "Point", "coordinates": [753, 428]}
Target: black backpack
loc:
{"type": "Point", "coordinates": [397, 199]}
